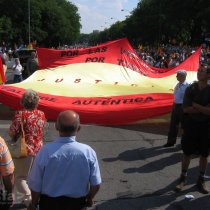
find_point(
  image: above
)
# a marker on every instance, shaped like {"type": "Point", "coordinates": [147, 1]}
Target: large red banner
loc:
{"type": "Point", "coordinates": [107, 84]}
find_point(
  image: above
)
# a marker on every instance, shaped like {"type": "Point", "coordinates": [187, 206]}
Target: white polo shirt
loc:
{"type": "Point", "coordinates": [18, 69]}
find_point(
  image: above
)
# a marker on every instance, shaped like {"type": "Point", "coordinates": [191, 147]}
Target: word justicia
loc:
{"type": "Point", "coordinates": [95, 81]}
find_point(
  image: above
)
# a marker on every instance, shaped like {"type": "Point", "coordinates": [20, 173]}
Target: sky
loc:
{"type": "Point", "coordinates": [101, 14]}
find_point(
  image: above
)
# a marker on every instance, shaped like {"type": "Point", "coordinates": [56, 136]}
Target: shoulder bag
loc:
{"type": "Point", "coordinates": [18, 148]}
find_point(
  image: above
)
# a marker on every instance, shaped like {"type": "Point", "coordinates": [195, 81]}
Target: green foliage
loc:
{"type": "Point", "coordinates": [57, 22]}
{"type": "Point", "coordinates": [5, 27]}
{"type": "Point", "coordinates": [164, 21]}
{"type": "Point", "coordinates": [52, 22]}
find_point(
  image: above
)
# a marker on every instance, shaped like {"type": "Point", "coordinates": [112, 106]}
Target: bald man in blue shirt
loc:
{"type": "Point", "coordinates": [65, 174]}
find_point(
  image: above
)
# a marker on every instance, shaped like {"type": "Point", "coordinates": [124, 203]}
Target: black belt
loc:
{"type": "Point", "coordinates": [177, 104]}
{"type": "Point", "coordinates": [62, 202]}
{"type": "Point", "coordinates": [64, 197]}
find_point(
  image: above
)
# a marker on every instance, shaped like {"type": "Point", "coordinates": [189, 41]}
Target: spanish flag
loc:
{"type": "Point", "coordinates": [107, 84]}
{"type": "Point", "coordinates": [2, 75]}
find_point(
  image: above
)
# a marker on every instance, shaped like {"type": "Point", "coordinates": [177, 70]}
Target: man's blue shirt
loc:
{"type": "Point", "coordinates": [64, 167]}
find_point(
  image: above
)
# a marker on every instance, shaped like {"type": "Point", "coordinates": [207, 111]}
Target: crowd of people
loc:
{"type": "Point", "coordinates": [20, 71]}
{"type": "Point", "coordinates": [21, 59]}
{"type": "Point", "coordinates": [169, 56]}
{"type": "Point", "coordinates": [164, 56]}
{"type": "Point", "coordinates": [76, 163]}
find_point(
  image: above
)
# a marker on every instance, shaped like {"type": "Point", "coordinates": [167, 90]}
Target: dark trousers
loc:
{"type": "Point", "coordinates": [17, 78]}
{"type": "Point", "coordinates": [196, 138]}
{"type": "Point", "coordinates": [61, 203]}
{"type": "Point", "coordinates": [176, 119]}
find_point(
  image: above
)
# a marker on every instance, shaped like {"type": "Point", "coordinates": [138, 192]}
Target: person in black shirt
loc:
{"type": "Point", "coordinates": [196, 122]}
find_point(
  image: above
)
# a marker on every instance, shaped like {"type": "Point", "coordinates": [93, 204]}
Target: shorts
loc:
{"type": "Point", "coordinates": [196, 138]}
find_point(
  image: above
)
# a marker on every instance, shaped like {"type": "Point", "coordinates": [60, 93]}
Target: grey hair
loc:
{"type": "Point", "coordinates": [182, 72]}
{"type": "Point", "coordinates": [30, 99]}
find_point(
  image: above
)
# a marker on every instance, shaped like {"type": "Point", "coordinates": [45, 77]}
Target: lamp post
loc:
{"type": "Point", "coordinates": [29, 21]}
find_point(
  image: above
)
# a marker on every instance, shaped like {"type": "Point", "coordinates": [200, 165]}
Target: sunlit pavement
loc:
{"type": "Point", "coordinates": [137, 172]}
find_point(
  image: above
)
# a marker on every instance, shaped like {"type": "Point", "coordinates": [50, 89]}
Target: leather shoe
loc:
{"type": "Point", "coordinates": [168, 145]}
{"type": "Point", "coordinates": [202, 186]}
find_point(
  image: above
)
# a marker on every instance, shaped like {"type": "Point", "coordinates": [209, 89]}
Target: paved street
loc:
{"type": "Point", "coordinates": [138, 174]}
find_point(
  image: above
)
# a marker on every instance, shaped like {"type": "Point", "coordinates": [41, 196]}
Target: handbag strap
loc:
{"type": "Point", "coordinates": [21, 124]}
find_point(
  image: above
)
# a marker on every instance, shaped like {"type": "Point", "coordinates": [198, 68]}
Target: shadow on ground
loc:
{"type": "Point", "coordinates": [162, 199]}
{"type": "Point", "coordinates": [143, 153]}
{"type": "Point", "coordinates": [165, 202]}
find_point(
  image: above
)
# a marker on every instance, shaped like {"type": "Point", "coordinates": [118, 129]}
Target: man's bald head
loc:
{"type": "Point", "coordinates": [68, 122]}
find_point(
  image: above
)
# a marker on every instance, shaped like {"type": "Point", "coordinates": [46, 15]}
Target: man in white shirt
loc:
{"type": "Point", "coordinates": [177, 111]}
{"type": "Point", "coordinates": [17, 68]}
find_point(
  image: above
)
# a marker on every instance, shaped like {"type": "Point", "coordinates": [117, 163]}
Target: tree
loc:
{"type": "Point", "coordinates": [5, 28]}
{"type": "Point", "coordinates": [52, 21]}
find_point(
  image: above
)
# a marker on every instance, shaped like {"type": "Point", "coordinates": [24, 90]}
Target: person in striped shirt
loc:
{"type": "Point", "coordinates": [7, 176]}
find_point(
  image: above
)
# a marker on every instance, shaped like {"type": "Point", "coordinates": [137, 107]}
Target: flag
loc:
{"type": "Point", "coordinates": [108, 84]}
